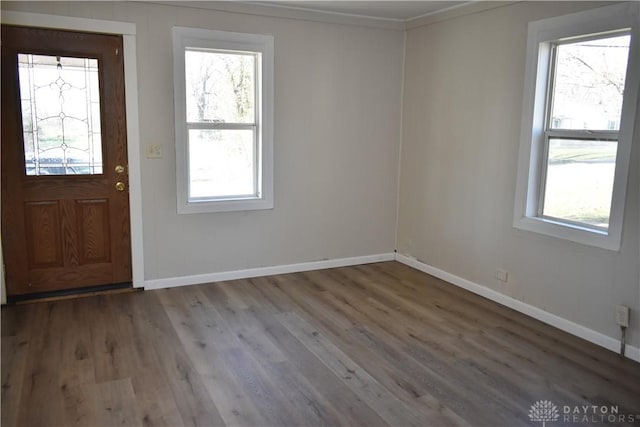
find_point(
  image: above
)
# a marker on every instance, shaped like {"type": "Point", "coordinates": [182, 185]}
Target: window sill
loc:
{"type": "Point", "coordinates": [235, 205]}
{"type": "Point", "coordinates": [574, 233]}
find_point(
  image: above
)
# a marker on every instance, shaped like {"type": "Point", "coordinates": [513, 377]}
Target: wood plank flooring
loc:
{"type": "Point", "coordinates": [373, 345]}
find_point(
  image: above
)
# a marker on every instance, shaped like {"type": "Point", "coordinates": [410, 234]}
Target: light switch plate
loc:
{"type": "Point", "coordinates": [154, 151]}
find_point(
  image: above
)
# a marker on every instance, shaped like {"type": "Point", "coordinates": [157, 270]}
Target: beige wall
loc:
{"type": "Point", "coordinates": [337, 126]}
{"type": "Point", "coordinates": [461, 123]}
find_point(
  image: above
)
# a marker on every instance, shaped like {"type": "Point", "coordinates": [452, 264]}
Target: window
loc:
{"type": "Point", "coordinates": [581, 88]}
{"type": "Point", "coordinates": [224, 120]}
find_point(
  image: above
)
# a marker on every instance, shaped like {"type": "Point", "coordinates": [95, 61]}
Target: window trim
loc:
{"type": "Point", "coordinates": [541, 35]}
{"type": "Point", "coordinates": [193, 38]}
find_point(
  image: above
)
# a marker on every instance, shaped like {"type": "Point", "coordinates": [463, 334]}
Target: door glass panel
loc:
{"type": "Point", "coordinates": [60, 115]}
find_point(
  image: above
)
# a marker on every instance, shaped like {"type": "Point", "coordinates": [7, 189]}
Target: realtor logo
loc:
{"type": "Point", "coordinates": [544, 411]}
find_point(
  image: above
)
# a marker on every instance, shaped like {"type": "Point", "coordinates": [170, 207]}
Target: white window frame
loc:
{"type": "Point", "coordinates": [528, 198]}
{"type": "Point", "coordinates": [184, 38]}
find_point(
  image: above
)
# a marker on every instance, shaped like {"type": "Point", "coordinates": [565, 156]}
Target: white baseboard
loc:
{"type": "Point", "coordinates": [528, 309]}
{"type": "Point", "coordinates": [265, 271]}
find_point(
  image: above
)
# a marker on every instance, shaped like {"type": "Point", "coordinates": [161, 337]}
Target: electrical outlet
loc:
{"type": "Point", "coordinates": [502, 275]}
{"type": "Point", "coordinates": [622, 315]}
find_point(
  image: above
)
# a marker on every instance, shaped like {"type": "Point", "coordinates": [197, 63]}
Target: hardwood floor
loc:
{"type": "Point", "coordinates": [372, 345]}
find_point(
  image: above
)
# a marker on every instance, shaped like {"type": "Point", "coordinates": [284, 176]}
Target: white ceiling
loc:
{"type": "Point", "coordinates": [386, 10]}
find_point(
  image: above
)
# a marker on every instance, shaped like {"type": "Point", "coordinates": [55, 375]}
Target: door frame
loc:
{"type": "Point", "coordinates": [128, 32]}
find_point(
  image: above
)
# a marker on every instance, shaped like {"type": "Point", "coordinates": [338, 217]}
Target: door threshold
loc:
{"type": "Point", "coordinates": [116, 288]}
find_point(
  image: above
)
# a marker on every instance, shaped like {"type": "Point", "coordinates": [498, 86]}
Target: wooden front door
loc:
{"type": "Point", "coordinates": [65, 204]}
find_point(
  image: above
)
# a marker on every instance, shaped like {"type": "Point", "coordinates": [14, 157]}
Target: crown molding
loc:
{"type": "Point", "coordinates": [469, 8]}
{"type": "Point", "coordinates": [268, 9]}
{"type": "Point", "coordinates": [272, 10]}
{"type": "Point", "coordinates": [286, 12]}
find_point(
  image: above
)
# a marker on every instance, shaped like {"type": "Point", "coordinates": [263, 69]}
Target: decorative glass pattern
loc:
{"type": "Point", "coordinates": [60, 115]}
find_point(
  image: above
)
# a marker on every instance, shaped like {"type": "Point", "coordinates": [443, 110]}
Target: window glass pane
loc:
{"type": "Point", "coordinates": [220, 86]}
{"type": "Point", "coordinates": [221, 163]}
{"type": "Point", "coordinates": [579, 180]}
{"type": "Point", "coordinates": [589, 84]}
{"type": "Point", "coordinates": [60, 115]}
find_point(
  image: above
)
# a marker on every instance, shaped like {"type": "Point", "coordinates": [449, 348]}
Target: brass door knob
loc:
{"type": "Point", "coordinates": [120, 186]}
